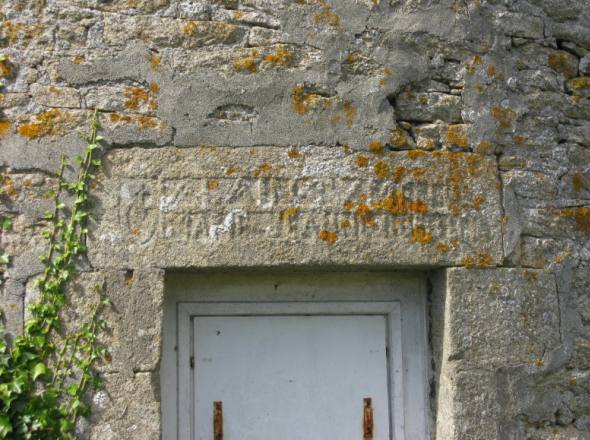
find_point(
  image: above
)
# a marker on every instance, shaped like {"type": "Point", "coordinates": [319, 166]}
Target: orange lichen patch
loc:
{"type": "Point", "coordinates": [442, 247]}
{"type": "Point", "coordinates": [212, 184]}
{"type": "Point", "coordinates": [577, 179]}
{"type": "Point", "coordinates": [135, 97]}
{"type": "Point", "coordinates": [294, 153]}
{"type": "Point", "coordinates": [263, 169]}
{"type": "Point", "coordinates": [190, 27]}
{"type": "Point", "coordinates": [520, 140]}
{"type": "Point", "coordinates": [142, 121]}
{"type": "Point", "coordinates": [4, 127]}
{"type": "Point", "coordinates": [49, 123]}
{"type": "Point", "coordinates": [155, 63]}
{"type": "Point", "coordinates": [129, 277]}
{"type": "Point", "coordinates": [281, 57]}
{"type": "Point", "coordinates": [361, 160]}
{"type": "Point", "coordinates": [154, 88]}
{"type": "Point", "coordinates": [399, 138]}
{"type": "Point", "coordinates": [303, 102]}
{"type": "Point", "coordinates": [491, 70]}
{"type": "Point", "coordinates": [396, 203]}
{"type": "Point", "coordinates": [531, 276]}
{"type": "Point", "coordinates": [376, 147]}
{"type": "Point", "coordinates": [8, 187]}
{"type": "Point", "coordinates": [387, 72]}
{"type": "Point", "coordinates": [456, 135]}
{"type": "Point", "coordinates": [348, 205]}
{"type": "Point", "coordinates": [415, 154]}
{"type": "Point", "coordinates": [78, 59]}
{"type": "Point", "coordinates": [5, 68]}
{"type": "Point", "coordinates": [349, 112]}
{"type": "Point", "coordinates": [327, 17]}
{"type": "Point", "coordinates": [232, 169]}
{"type": "Point", "coordinates": [345, 148]}
{"type": "Point", "coordinates": [328, 236]}
{"type": "Point", "coordinates": [579, 84]}
{"type": "Point", "coordinates": [248, 63]}
{"type": "Point", "coordinates": [581, 216]}
{"type": "Point", "coordinates": [353, 57]}
{"type": "Point", "coordinates": [470, 65]}
{"type": "Point", "coordinates": [558, 61]}
{"type": "Point", "coordinates": [364, 213]}
{"type": "Point", "coordinates": [398, 173]}
{"type": "Point", "coordinates": [288, 214]}
{"type": "Point", "coordinates": [423, 99]}
{"type": "Point", "coordinates": [418, 173]}
{"type": "Point", "coordinates": [483, 147]}
{"type": "Point", "coordinates": [480, 261]}
{"type": "Point", "coordinates": [345, 224]}
{"type": "Point", "coordinates": [237, 14]}
{"type": "Point", "coordinates": [14, 32]}
{"type": "Point", "coordinates": [477, 202]}
{"type": "Point", "coordinates": [504, 116]}
{"type": "Point", "coordinates": [381, 169]}
{"type": "Point", "coordinates": [421, 235]}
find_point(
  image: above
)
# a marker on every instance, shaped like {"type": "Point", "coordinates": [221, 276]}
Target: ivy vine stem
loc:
{"type": "Point", "coordinates": [46, 373]}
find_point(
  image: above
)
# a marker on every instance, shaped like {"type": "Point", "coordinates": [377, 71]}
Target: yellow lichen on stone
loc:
{"type": "Point", "coordinates": [50, 123]}
{"type": "Point", "coordinates": [328, 236]}
{"type": "Point", "coordinates": [578, 182]}
{"type": "Point", "coordinates": [504, 116]}
{"type": "Point", "coordinates": [457, 135]}
{"type": "Point", "coordinates": [361, 160]}
{"type": "Point", "coordinates": [281, 57]}
{"type": "Point", "coordinates": [288, 213]}
{"type": "Point", "coordinates": [376, 147]}
{"type": "Point", "coordinates": [294, 153]}
{"type": "Point", "coordinates": [155, 63]}
{"type": "Point", "coordinates": [399, 138]}
{"type": "Point", "coordinates": [4, 128]}
{"type": "Point", "coordinates": [248, 63]}
{"type": "Point", "coordinates": [212, 184]}
{"type": "Point", "coordinates": [421, 235]}
{"type": "Point", "coordinates": [135, 97]}
{"type": "Point", "coordinates": [349, 112]}
{"type": "Point", "coordinates": [264, 169]}
{"type": "Point", "coordinates": [381, 169]}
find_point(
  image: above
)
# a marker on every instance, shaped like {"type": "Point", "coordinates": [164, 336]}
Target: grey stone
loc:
{"type": "Point", "coordinates": [501, 326]}
{"type": "Point", "coordinates": [211, 206]}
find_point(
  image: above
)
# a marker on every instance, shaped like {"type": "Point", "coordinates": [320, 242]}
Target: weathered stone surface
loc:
{"type": "Point", "coordinates": [116, 416]}
{"type": "Point", "coordinates": [214, 206]}
{"type": "Point", "coordinates": [495, 323]}
{"type": "Point", "coordinates": [133, 336]}
{"type": "Point", "coordinates": [508, 80]}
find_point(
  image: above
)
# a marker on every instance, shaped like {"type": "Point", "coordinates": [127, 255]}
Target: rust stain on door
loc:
{"type": "Point", "coordinates": [367, 419]}
{"type": "Point", "coordinates": [217, 421]}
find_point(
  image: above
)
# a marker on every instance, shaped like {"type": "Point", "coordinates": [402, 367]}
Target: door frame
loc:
{"type": "Point", "coordinates": [401, 298]}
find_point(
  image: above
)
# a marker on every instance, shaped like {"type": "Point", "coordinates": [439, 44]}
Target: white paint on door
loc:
{"type": "Point", "coordinates": [290, 377]}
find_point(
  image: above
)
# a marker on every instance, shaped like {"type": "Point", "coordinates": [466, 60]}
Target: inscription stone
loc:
{"type": "Point", "coordinates": [270, 206]}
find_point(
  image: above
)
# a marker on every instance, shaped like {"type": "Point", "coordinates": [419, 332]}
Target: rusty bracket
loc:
{"type": "Point", "coordinates": [367, 419]}
{"type": "Point", "coordinates": [218, 420]}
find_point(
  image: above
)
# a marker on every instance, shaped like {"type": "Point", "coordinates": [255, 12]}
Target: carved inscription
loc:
{"type": "Point", "coordinates": [409, 209]}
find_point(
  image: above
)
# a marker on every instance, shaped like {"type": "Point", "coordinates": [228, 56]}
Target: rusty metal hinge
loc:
{"type": "Point", "coordinates": [367, 419]}
{"type": "Point", "coordinates": [217, 420]}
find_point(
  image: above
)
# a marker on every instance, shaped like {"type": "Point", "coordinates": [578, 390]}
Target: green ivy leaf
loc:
{"type": "Point", "coordinates": [5, 223]}
{"type": "Point", "coordinates": [39, 370]}
{"type": "Point", "coordinates": [4, 258]}
{"type": "Point", "coordinates": [5, 426]}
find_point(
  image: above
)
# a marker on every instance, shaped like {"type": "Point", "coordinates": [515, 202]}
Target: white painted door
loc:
{"type": "Point", "coordinates": [291, 377]}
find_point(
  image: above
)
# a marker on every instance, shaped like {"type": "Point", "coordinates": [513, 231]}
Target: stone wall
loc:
{"type": "Point", "coordinates": [450, 136]}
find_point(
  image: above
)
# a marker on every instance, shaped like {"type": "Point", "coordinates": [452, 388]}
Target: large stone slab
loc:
{"type": "Point", "coordinates": [501, 318]}
{"type": "Point", "coordinates": [265, 206]}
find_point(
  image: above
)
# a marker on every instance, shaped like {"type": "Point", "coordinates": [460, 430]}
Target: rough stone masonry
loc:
{"type": "Point", "coordinates": [446, 136]}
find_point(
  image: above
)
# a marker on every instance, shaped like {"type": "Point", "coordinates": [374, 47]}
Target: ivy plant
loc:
{"type": "Point", "coordinates": [46, 373]}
